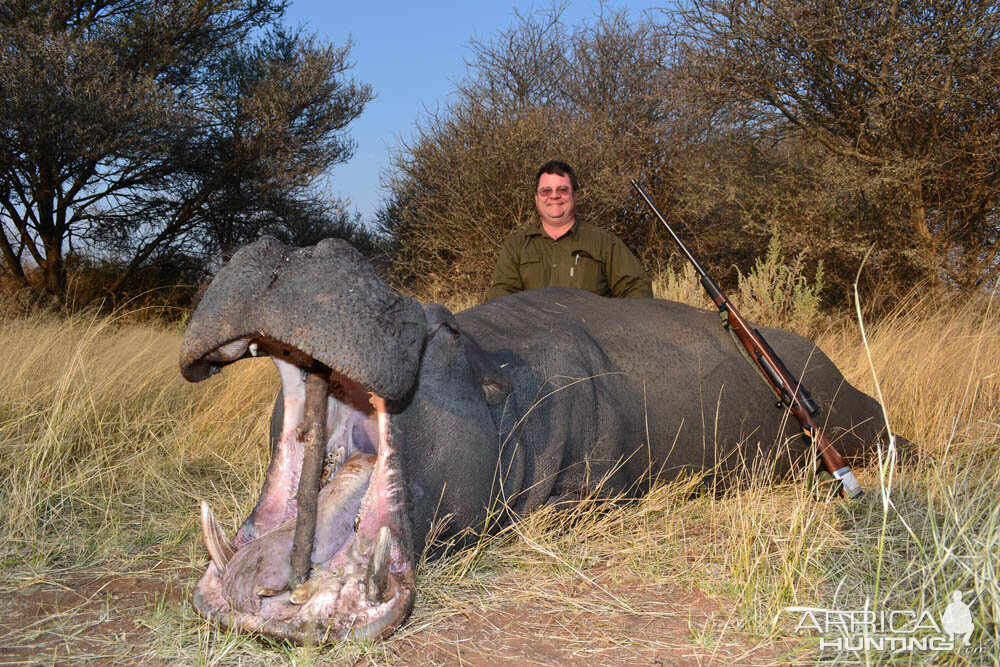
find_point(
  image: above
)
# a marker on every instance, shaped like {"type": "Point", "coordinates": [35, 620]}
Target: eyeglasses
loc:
{"type": "Point", "coordinates": [546, 193]}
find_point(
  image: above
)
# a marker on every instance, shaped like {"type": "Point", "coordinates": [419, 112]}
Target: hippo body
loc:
{"type": "Point", "coordinates": [526, 399]}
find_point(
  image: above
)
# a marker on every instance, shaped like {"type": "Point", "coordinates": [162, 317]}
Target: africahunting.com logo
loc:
{"type": "Point", "coordinates": [891, 629]}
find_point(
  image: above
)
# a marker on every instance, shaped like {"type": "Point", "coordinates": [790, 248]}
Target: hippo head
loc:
{"type": "Point", "coordinates": [395, 387]}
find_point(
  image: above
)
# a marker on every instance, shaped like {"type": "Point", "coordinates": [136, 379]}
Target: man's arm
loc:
{"type": "Point", "coordinates": [506, 275]}
{"type": "Point", "coordinates": [626, 277]}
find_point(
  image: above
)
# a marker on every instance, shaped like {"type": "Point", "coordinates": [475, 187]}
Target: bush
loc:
{"type": "Point", "coordinates": [778, 292]}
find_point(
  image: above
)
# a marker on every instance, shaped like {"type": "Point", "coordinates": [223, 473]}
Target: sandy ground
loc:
{"type": "Point", "coordinates": [111, 620]}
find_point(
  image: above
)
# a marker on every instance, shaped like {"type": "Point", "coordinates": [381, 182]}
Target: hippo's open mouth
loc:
{"type": "Point", "coordinates": [359, 581]}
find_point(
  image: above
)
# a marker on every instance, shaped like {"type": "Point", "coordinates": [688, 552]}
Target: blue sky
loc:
{"type": "Point", "coordinates": [411, 53]}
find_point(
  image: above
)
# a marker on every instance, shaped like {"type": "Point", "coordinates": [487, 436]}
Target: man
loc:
{"type": "Point", "coordinates": [560, 250]}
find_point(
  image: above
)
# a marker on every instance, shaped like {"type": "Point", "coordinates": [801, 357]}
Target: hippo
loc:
{"type": "Point", "coordinates": [463, 422]}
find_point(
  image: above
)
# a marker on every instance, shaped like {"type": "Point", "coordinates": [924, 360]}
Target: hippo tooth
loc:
{"type": "Point", "coordinates": [220, 548]}
{"type": "Point", "coordinates": [304, 591]}
{"type": "Point", "coordinates": [269, 592]}
{"type": "Point", "coordinates": [377, 578]}
{"type": "Point", "coordinates": [339, 455]}
{"type": "Point", "coordinates": [253, 349]}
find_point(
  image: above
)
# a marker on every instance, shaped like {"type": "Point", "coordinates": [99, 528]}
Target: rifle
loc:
{"type": "Point", "coordinates": [790, 392]}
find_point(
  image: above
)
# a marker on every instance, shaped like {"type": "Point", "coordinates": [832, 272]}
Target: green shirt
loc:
{"type": "Point", "coordinates": [586, 256]}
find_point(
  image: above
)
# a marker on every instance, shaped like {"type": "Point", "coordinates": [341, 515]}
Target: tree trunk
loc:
{"type": "Point", "coordinates": [918, 221]}
{"type": "Point", "coordinates": [11, 260]}
{"type": "Point", "coordinates": [53, 268]}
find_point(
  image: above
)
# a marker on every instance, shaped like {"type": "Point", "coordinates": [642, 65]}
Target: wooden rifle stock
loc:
{"type": "Point", "coordinates": [790, 391]}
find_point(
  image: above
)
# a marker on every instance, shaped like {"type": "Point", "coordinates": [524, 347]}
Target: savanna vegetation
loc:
{"type": "Point", "coordinates": [105, 452]}
{"type": "Point", "coordinates": [831, 163]}
{"type": "Point", "coordinates": [837, 127]}
{"type": "Point", "coordinates": [141, 142]}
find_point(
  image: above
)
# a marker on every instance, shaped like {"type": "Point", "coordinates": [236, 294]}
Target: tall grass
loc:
{"type": "Point", "coordinates": [105, 450]}
{"type": "Point", "coordinates": [103, 446]}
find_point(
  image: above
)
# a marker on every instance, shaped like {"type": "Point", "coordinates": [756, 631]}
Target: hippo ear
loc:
{"type": "Point", "coordinates": [495, 385]}
{"type": "Point", "coordinates": [495, 388]}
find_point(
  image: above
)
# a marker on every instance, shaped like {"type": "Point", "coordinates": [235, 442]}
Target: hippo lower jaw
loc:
{"type": "Point", "coordinates": [362, 580]}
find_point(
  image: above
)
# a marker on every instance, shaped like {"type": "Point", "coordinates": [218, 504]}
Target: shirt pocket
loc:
{"type": "Point", "coordinates": [588, 273]}
{"type": "Point", "coordinates": [532, 270]}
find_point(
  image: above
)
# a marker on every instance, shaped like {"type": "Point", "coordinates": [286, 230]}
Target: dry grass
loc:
{"type": "Point", "coordinates": [105, 450]}
{"type": "Point", "coordinates": [96, 428]}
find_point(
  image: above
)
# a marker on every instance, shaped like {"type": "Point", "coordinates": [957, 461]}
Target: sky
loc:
{"type": "Point", "coordinates": [412, 54]}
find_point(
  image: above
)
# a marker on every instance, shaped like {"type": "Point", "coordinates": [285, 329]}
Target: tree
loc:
{"type": "Point", "coordinates": [537, 91]}
{"type": "Point", "coordinates": [613, 97]}
{"type": "Point", "coordinates": [142, 128]}
{"type": "Point", "coordinates": [905, 92]}
{"type": "Point", "coordinates": [836, 126]}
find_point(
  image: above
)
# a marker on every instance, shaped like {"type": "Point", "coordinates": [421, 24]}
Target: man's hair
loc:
{"type": "Point", "coordinates": [558, 168]}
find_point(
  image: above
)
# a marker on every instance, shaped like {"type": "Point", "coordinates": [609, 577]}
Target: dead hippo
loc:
{"type": "Point", "coordinates": [431, 416]}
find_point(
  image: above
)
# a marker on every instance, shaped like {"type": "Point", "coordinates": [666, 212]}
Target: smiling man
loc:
{"type": "Point", "coordinates": [560, 250]}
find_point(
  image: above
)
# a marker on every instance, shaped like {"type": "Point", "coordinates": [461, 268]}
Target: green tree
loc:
{"type": "Point", "coordinates": [142, 129]}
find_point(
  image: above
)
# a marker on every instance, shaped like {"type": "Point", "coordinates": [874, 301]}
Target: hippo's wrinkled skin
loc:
{"type": "Point", "coordinates": [440, 417]}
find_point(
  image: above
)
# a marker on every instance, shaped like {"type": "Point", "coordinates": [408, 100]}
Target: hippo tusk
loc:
{"type": "Point", "coordinates": [220, 547]}
{"type": "Point", "coordinates": [377, 578]}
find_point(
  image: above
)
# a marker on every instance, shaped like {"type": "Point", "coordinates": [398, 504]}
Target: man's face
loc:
{"type": "Point", "coordinates": [559, 208]}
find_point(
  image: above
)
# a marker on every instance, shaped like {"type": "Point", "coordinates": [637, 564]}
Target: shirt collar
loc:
{"type": "Point", "coordinates": [537, 230]}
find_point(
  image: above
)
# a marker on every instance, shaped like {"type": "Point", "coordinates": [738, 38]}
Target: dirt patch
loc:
{"type": "Point", "coordinates": [112, 619]}
{"type": "Point", "coordinates": [101, 617]}
{"type": "Point", "coordinates": [670, 626]}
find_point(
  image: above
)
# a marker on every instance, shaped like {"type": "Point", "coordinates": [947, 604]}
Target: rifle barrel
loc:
{"type": "Point", "coordinates": [789, 390]}
{"type": "Point", "coordinates": [714, 292]}
{"type": "Point", "coordinates": [677, 239]}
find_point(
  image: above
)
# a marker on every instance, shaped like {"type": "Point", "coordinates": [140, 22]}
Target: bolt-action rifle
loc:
{"type": "Point", "coordinates": [790, 392]}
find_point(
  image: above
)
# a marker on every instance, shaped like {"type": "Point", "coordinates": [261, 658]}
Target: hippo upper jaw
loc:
{"type": "Point", "coordinates": [325, 302]}
{"type": "Point", "coordinates": [361, 582]}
